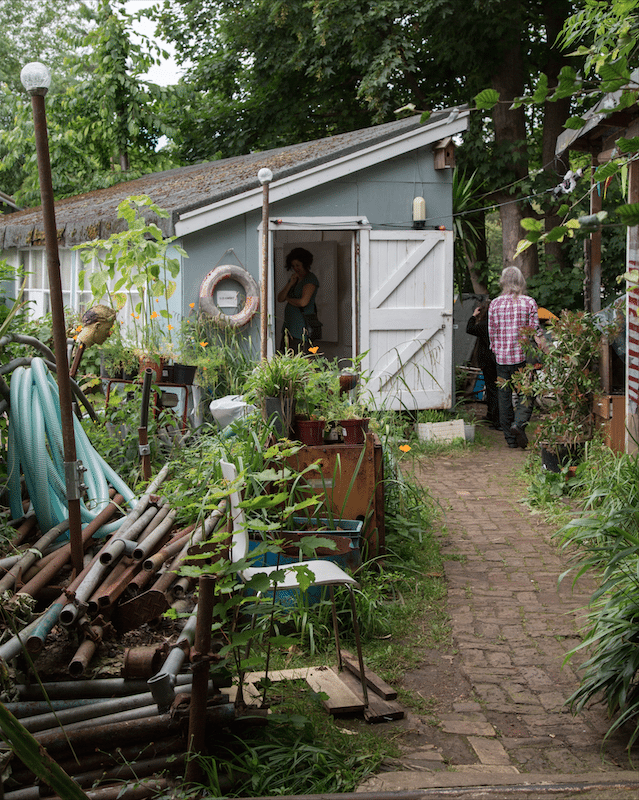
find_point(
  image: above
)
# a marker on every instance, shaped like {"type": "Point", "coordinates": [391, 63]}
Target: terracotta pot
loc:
{"type": "Point", "coordinates": [148, 362]}
{"type": "Point", "coordinates": [354, 430]}
{"type": "Point", "coordinates": [310, 431]}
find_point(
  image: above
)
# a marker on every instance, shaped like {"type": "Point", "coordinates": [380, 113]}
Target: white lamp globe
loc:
{"type": "Point", "coordinates": [34, 76]}
{"type": "Point", "coordinates": [265, 175]}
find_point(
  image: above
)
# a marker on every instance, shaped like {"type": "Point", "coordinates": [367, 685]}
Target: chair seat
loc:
{"type": "Point", "coordinates": [325, 572]}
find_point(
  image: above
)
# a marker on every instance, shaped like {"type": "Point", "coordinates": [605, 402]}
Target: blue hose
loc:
{"type": "Point", "coordinates": [36, 446]}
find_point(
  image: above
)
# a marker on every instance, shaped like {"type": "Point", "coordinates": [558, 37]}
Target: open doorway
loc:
{"type": "Point", "coordinates": [333, 265]}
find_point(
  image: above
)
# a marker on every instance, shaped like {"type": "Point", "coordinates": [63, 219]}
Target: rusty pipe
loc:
{"type": "Point", "coordinates": [24, 529]}
{"type": "Point", "coordinates": [162, 684]}
{"type": "Point", "coordinates": [200, 667]}
{"type": "Point", "coordinates": [85, 652]}
{"type": "Point", "coordinates": [117, 544]}
{"type": "Point", "coordinates": [61, 556]}
{"type": "Point", "coordinates": [152, 541]}
{"type": "Point", "coordinates": [112, 591]}
{"type": "Point", "coordinates": [165, 580]}
{"type": "Point", "coordinates": [155, 561]}
{"type": "Point", "coordinates": [136, 584]}
{"type": "Point", "coordinates": [100, 687]}
{"type": "Point", "coordinates": [22, 565]}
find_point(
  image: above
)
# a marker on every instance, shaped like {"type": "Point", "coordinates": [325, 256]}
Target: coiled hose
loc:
{"type": "Point", "coordinates": [36, 446]}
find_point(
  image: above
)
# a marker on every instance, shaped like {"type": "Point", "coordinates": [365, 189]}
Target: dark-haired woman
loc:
{"type": "Point", "coordinates": [299, 295]}
{"type": "Point", "coordinates": [478, 326]}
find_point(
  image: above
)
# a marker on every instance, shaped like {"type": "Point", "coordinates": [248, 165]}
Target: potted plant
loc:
{"type": "Point", "coordinates": [565, 384]}
{"type": "Point", "coordinates": [313, 401]}
{"type": "Point", "coordinates": [274, 384]}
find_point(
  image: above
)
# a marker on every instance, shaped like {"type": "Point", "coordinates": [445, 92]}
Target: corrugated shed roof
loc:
{"type": "Point", "coordinates": [94, 214]}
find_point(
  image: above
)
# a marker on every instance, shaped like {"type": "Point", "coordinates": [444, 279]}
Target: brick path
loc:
{"type": "Point", "coordinates": [512, 625]}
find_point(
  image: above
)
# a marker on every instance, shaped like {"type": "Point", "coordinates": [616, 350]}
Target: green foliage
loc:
{"type": "Point", "coordinates": [604, 544]}
{"type": "Point", "coordinates": [137, 260]}
{"type": "Point", "coordinates": [283, 375]}
{"type": "Point", "coordinates": [567, 381]}
{"type": "Point", "coordinates": [104, 120]}
{"type": "Point", "coordinates": [607, 35]}
{"type": "Point", "coordinates": [558, 289]}
{"type": "Point", "coordinates": [288, 757]}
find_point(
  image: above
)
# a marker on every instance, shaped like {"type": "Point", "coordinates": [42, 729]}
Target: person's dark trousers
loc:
{"type": "Point", "coordinates": [521, 413]}
{"type": "Point", "coordinates": [489, 369]}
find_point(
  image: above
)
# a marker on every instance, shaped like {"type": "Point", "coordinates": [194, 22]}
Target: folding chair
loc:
{"type": "Point", "coordinates": [326, 573]}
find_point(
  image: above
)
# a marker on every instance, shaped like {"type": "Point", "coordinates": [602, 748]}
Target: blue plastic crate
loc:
{"type": "Point", "coordinates": [346, 535]}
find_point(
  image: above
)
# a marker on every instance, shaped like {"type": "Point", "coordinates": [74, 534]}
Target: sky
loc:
{"type": "Point", "coordinates": [168, 72]}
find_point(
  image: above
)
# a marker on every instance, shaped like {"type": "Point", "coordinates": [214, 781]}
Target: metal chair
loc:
{"type": "Point", "coordinates": [325, 573]}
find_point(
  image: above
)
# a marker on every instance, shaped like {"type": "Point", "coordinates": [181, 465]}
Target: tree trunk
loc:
{"type": "Point", "coordinates": [510, 131]}
{"type": "Point", "coordinates": [480, 285]}
{"type": "Point", "coordinates": [555, 116]}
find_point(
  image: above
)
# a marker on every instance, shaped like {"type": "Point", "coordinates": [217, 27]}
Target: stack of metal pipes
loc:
{"type": "Point", "coordinates": [140, 561]}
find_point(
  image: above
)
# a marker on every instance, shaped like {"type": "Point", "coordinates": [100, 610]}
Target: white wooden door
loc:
{"type": "Point", "coordinates": [406, 317]}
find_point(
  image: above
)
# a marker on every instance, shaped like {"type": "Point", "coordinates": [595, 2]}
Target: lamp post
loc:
{"type": "Point", "coordinates": [36, 79]}
{"type": "Point", "coordinates": [264, 176]}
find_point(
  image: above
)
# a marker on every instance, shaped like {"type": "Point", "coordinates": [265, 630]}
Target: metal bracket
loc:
{"type": "Point", "coordinates": [144, 449]}
{"type": "Point", "coordinates": [73, 483]}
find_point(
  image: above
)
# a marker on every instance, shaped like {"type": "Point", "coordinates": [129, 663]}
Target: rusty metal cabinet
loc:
{"type": "Point", "coordinates": [341, 467]}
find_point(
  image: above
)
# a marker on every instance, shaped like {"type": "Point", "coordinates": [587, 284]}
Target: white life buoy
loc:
{"type": "Point", "coordinates": [246, 281]}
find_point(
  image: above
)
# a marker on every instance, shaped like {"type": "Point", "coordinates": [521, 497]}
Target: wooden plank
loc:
{"type": "Point", "coordinates": [341, 700]}
{"type": "Point", "coordinates": [297, 674]}
{"type": "Point", "coordinates": [378, 710]}
{"type": "Point", "coordinates": [373, 681]}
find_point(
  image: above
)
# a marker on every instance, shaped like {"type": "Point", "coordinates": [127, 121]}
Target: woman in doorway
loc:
{"type": "Point", "coordinates": [299, 295]}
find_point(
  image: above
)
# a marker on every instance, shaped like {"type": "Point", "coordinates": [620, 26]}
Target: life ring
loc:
{"type": "Point", "coordinates": [246, 281]}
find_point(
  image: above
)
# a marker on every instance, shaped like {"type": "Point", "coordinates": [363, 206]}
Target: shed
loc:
{"type": "Point", "coordinates": [599, 136]}
{"type": "Point", "coordinates": [386, 288]}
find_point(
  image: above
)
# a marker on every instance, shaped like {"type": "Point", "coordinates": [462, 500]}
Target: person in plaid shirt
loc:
{"type": "Point", "coordinates": [507, 315]}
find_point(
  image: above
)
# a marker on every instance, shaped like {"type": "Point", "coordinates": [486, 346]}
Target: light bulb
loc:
{"type": "Point", "coordinates": [35, 76]}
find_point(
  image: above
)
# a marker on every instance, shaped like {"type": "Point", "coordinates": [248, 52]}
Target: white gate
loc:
{"type": "Point", "coordinates": [406, 317]}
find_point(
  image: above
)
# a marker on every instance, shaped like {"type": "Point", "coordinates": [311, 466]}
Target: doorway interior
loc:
{"type": "Point", "coordinates": [333, 254]}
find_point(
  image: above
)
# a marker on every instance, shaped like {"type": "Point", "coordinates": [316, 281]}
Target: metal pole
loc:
{"type": "Point", "coordinates": [265, 176]}
{"type": "Point", "coordinates": [72, 476]}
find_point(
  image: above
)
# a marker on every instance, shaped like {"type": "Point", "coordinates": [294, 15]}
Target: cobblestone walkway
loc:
{"type": "Point", "coordinates": [512, 624]}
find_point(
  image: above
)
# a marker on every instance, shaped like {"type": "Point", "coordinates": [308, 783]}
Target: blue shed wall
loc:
{"type": "Point", "coordinates": [383, 194]}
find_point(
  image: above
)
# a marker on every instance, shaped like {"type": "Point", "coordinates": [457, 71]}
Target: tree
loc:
{"type": "Point", "coordinates": [104, 119]}
{"type": "Point", "coordinates": [607, 35]}
{"type": "Point", "coordinates": [271, 73]}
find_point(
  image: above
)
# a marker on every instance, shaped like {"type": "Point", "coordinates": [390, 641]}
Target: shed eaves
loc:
{"type": "Point", "coordinates": [94, 214]}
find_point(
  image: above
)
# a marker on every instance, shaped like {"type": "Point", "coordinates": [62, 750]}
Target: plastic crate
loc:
{"type": "Point", "coordinates": [346, 535]}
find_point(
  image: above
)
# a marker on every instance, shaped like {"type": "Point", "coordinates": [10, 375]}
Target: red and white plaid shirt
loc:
{"type": "Point", "coordinates": [507, 315]}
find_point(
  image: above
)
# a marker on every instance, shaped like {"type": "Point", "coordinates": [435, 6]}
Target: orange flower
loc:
{"type": "Point", "coordinates": [191, 305]}
{"type": "Point", "coordinates": [79, 328]}
{"type": "Point", "coordinates": [204, 344]}
{"type": "Point", "coordinates": [157, 299]}
{"type": "Point", "coordinates": [313, 349]}
{"type": "Point", "coordinates": [154, 315]}
{"type": "Point", "coordinates": [170, 327]}
{"type": "Point", "coordinates": [404, 448]}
